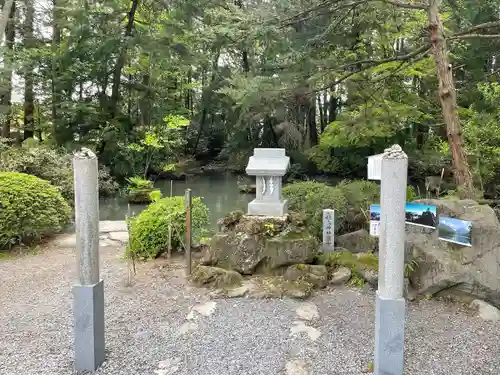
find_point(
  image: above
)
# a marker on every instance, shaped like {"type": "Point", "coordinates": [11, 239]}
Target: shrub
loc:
{"type": "Point", "coordinates": [51, 165]}
{"type": "Point", "coordinates": [360, 194]}
{"type": "Point", "coordinates": [149, 231]}
{"type": "Point", "coordinates": [310, 198]}
{"type": "Point", "coordinates": [30, 208]}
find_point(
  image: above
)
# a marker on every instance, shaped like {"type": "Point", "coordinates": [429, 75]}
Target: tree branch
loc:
{"type": "Point", "coordinates": [486, 25]}
{"type": "Point", "coordinates": [474, 36]}
{"type": "Point", "coordinates": [422, 50]}
{"type": "Point", "coordinates": [404, 4]}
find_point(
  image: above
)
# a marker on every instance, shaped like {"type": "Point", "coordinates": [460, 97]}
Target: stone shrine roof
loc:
{"type": "Point", "coordinates": [268, 162]}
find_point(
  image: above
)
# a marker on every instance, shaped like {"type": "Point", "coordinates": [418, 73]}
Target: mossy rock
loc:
{"type": "Point", "coordinates": [316, 275]}
{"type": "Point", "coordinates": [215, 277]}
{"type": "Point", "coordinates": [363, 266]}
{"type": "Point", "coordinates": [278, 287]}
{"type": "Point", "coordinates": [140, 196]}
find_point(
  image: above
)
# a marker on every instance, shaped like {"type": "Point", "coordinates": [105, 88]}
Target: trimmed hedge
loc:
{"type": "Point", "coordinates": [149, 231]}
{"type": "Point", "coordinates": [310, 198]}
{"type": "Point", "coordinates": [30, 208]}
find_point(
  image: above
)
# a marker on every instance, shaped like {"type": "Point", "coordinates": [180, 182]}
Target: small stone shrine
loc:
{"type": "Point", "coordinates": [268, 165]}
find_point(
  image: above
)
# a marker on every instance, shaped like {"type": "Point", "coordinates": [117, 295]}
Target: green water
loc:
{"type": "Point", "coordinates": [219, 191]}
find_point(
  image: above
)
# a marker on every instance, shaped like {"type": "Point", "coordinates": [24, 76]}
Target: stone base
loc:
{"type": "Point", "coordinates": [263, 208]}
{"type": "Point", "coordinates": [88, 313]}
{"type": "Point", "coordinates": [389, 336]}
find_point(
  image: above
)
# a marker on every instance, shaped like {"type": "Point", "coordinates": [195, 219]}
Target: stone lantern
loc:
{"type": "Point", "coordinates": [268, 165]}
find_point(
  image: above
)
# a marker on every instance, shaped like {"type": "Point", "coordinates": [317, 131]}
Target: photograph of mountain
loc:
{"type": "Point", "coordinates": [455, 230]}
{"type": "Point", "coordinates": [421, 214]}
{"type": "Point", "coordinates": [375, 212]}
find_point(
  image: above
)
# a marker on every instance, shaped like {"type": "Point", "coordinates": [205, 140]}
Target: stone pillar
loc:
{"type": "Point", "coordinates": [328, 230]}
{"type": "Point", "coordinates": [390, 304]}
{"type": "Point", "coordinates": [269, 165]}
{"type": "Point", "coordinates": [88, 292]}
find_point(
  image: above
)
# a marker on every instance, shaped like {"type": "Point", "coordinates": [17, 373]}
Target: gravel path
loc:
{"type": "Point", "coordinates": [159, 326]}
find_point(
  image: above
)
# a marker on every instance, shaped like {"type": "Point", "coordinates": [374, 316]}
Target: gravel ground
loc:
{"type": "Point", "coordinates": [150, 329]}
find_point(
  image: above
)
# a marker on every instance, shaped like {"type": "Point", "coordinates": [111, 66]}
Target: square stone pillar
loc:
{"type": "Point", "coordinates": [268, 165]}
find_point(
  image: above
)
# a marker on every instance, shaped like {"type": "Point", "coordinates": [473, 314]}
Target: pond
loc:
{"type": "Point", "coordinates": [219, 191]}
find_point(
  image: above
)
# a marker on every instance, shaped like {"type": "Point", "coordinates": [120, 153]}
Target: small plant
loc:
{"type": "Point", "coordinates": [269, 230]}
{"type": "Point", "coordinates": [411, 267]}
{"type": "Point", "coordinates": [139, 183]}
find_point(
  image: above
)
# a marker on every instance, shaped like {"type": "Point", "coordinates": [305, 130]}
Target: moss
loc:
{"type": "Point", "coordinates": [216, 277]}
{"type": "Point", "coordinates": [368, 261]}
{"type": "Point", "coordinates": [300, 266]}
{"type": "Point", "coordinates": [355, 262]}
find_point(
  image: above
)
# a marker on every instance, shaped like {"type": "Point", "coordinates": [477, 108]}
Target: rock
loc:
{"type": "Point", "coordinates": [485, 310]}
{"type": "Point", "coordinates": [369, 275]}
{"type": "Point", "coordinates": [119, 236]}
{"type": "Point", "coordinates": [228, 221]}
{"type": "Point", "coordinates": [277, 287]}
{"type": "Point", "coordinates": [257, 244]}
{"type": "Point", "coordinates": [451, 268]}
{"type": "Point", "coordinates": [316, 275]}
{"type": "Point", "coordinates": [261, 224]}
{"type": "Point", "coordinates": [215, 277]}
{"type": "Point", "coordinates": [340, 276]}
{"type": "Point", "coordinates": [112, 226]}
{"type": "Point", "coordinates": [357, 242]}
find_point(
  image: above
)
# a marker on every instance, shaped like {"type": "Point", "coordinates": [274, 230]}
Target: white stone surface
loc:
{"type": "Point", "coordinates": [392, 218]}
{"type": "Point", "coordinates": [300, 327]}
{"type": "Point", "coordinates": [296, 367]}
{"type": "Point", "coordinates": [486, 311]}
{"type": "Point", "coordinates": [269, 165]}
{"type": "Point", "coordinates": [268, 162]}
{"type": "Point", "coordinates": [328, 230]}
{"type": "Point", "coordinates": [85, 169]}
{"type": "Point", "coordinates": [112, 226]}
{"type": "Point", "coordinates": [119, 236]}
{"type": "Point", "coordinates": [308, 311]}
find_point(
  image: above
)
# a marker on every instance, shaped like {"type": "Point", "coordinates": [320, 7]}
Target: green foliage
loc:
{"type": "Point", "coordinates": [149, 231]}
{"type": "Point", "coordinates": [51, 165]}
{"type": "Point", "coordinates": [357, 263]}
{"type": "Point", "coordinates": [310, 198]}
{"type": "Point", "coordinates": [30, 208]}
{"type": "Point", "coordinates": [359, 195]}
{"type": "Point", "coordinates": [137, 182]}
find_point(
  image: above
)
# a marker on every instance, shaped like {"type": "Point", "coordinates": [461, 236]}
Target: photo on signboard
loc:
{"type": "Point", "coordinates": [421, 214]}
{"type": "Point", "coordinates": [374, 219]}
{"type": "Point", "coordinates": [455, 230]}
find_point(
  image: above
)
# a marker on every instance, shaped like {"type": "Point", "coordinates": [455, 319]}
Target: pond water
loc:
{"type": "Point", "coordinates": [219, 191]}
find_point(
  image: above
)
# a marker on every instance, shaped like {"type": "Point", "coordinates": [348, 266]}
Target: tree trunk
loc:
{"type": "Point", "coordinates": [6, 11]}
{"type": "Point", "coordinates": [56, 84]}
{"type": "Point", "coordinates": [120, 62]}
{"type": "Point", "coordinates": [29, 95]}
{"type": "Point", "coordinates": [448, 99]}
{"type": "Point", "coordinates": [6, 89]}
{"type": "Point", "coordinates": [311, 123]}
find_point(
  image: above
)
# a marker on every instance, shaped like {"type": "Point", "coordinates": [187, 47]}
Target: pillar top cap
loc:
{"type": "Point", "coordinates": [394, 152]}
{"type": "Point", "coordinates": [268, 162]}
{"type": "Point", "coordinates": [84, 153]}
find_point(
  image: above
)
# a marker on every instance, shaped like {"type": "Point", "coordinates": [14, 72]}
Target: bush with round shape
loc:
{"type": "Point", "coordinates": [310, 198]}
{"type": "Point", "coordinates": [30, 208]}
{"type": "Point", "coordinates": [149, 231]}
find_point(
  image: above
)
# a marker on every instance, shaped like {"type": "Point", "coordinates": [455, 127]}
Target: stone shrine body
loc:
{"type": "Point", "coordinates": [268, 165]}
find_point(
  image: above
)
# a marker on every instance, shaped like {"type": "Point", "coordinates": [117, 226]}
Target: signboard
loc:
{"type": "Point", "coordinates": [375, 167]}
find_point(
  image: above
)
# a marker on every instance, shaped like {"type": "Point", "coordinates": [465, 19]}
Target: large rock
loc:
{"type": "Point", "coordinates": [256, 244]}
{"type": "Point", "coordinates": [462, 271]}
{"type": "Point", "coordinates": [359, 241]}
{"type": "Point", "coordinates": [316, 275]}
